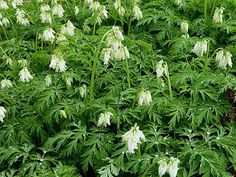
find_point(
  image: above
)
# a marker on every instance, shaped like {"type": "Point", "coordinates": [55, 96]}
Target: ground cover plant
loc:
{"type": "Point", "coordinates": [117, 88]}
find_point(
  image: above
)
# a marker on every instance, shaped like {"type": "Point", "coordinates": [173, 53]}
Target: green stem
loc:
{"type": "Point", "coordinates": [94, 69]}
{"type": "Point", "coordinates": [128, 73]}
{"type": "Point", "coordinates": [213, 7]}
{"type": "Point", "coordinates": [4, 31]}
{"type": "Point", "coordinates": [94, 28]}
{"type": "Point", "coordinates": [205, 9]}
{"type": "Point", "coordinates": [148, 169]}
{"type": "Point", "coordinates": [168, 80]}
{"type": "Point", "coordinates": [129, 25]}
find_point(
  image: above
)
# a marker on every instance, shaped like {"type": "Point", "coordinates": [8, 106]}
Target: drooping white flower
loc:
{"type": "Point", "coordinates": [48, 35]}
{"type": "Point", "coordinates": [88, 2]}
{"type": "Point", "coordinates": [103, 12]}
{"type": "Point", "coordinates": [58, 10]}
{"type": "Point", "coordinates": [62, 40]}
{"type": "Point", "coordinates": [137, 13]}
{"type": "Point", "coordinates": [8, 59]}
{"type": "Point", "coordinates": [16, 3]}
{"type": "Point", "coordinates": [104, 119]}
{"type": "Point", "coordinates": [76, 10]}
{"type": "Point", "coordinates": [22, 63]}
{"type": "Point", "coordinates": [45, 17]}
{"type": "Point", "coordinates": [178, 2]}
{"type": "Point", "coordinates": [173, 167]}
{"type": "Point", "coordinates": [200, 48]}
{"type": "Point", "coordinates": [21, 18]}
{"type": "Point", "coordinates": [68, 29]}
{"type": "Point", "coordinates": [224, 59]}
{"type": "Point", "coordinates": [63, 114]}
{"type": "Point", "coordinates": [160, 69]}
{"type": "Point", "coordinates": [48, 80]}
{"type": "Point", "coordinates": [58, 63]}
{"type": "Point", "coordinates": [184, 27]}
{"type": "Point", "coordinates": [45, 8]}
{"type": "Point", "coordinates": [107, 55]}
{"type": "Point", "coordinates": [162, 167]}
{"type": "Point", "coordinates": [3, 112]}
{"type": "Point", "coordinates": [5, 21]}
{"type": "Point", "coordinates": [94, 6]}
{"type": "Point", "coordinates": [119, 8]}
{"type": "Point", "coordinates": [25, 75]}
{"type": "Point", "coordinates": [5, 83]}
{"type": "Point", "coordinates": [83, 91]}
{"type": "Point", "coordinates": [3, 4]}
{"type": "Point", "coordinates": [132, 138]}
{"type": "Point", "coordinates": [69, 81]}
{"type": "Point", "coordinates": [218, 15]}
{"type": "Point", "coordinates": [117, 33]}
{"type": "Point", "coordinates": [145, 98]}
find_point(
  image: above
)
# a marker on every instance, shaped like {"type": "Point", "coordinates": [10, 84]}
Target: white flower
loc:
{"type": "Point", "coordinates": [224, 59]}
{"type": "Point", "coordinates": [121, 53]}
{"type": "Point", "coordinates": [62, 40]}
{"type": "Point", "coordinates": [5, 21]}
{"type": "Point", "coordinates": [184, 27]}
{"type": "Point", "coordinates": [104, 119]}
{"type": "Point", "coordinates": [88, 2]}
{"type": "Point", "coordinates": [45, 8]}
{"type": "Point", "coordinates": [137, 13]}
{"type": "Point", "coordinates": [103, 12]}
{"type": "Point", "coordinates": [20, 17]}
{"type": "Point", "coordinates": [48, 80]}
{"type": "Point", "coordinates": [160, 69]}
{"type": "Point", "coordinates": [107, 55]}
{"type": "Point", "coordinates": [48, 35]}
{"type": "Point", "coordinates": [5, 83]}
{"type": "Point", "coordinates": [63, 114]}
{"type": "Point", "coordinates": [58, 63]}
{"type": "Point", "coordinates": [76, 10]}
{"type": "Point", "coordinates": [83, 91]}
{"type": "Point", "coordinates": [2, 113]}
{"type": "Point", "coordinates": [132, 138]}
{"type": "Point", "coordinates": [162, 167]}
{"type": "Point", "coordinates": [68, 29]}
{"type": "Point", "coordinates": [173, 167]}
{"type": "Point", "coordinates": [8, 59]}
{"type": "Point", "coordinates": [45, 17]}
{"type": "Point", "coordinates": [145, 98]}
{"type": "Point", "coordinates": [25, 75]}
{"type": "Point", "coordinates": [69, 81]}
{"type": "Point", "coordinates": [58, 10]}
{"type": "Point", "coordinates": [117, 33]}
{"type": "Point", "coordinates": [16, 3]}
{"type": "Point", "coordinates": [22, 63]}
{"type": "Point", "coordinates": [94, 6]}
{"type": "Point", "coordinates": [200, 48]}
{"type": "Point", "coordinates": [119, 8]}
{"type": "Point", "coordinates": [178, 2]}
{"type": "Point", "coordinates": [218, 15]}
{"type": "Point", "coordinates": [3, 5]}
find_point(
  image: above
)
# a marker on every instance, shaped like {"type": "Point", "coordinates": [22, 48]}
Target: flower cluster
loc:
{"type": "Point", "coordinates": [4, 21]}
{"type": "Point", "coordinates": [218, 15]}
{"type": "Point", "coordinates": [83, 90]}
{"type": "Point", "coordinates": [132, 138]}
{"type": "Point", "coordinates": [16, 3]}
{"type": "Point", "coordinates": [21, 17]}
{"type": "Point", "coordinates": [68, 29]}
{"type": "Point", "coordinates": [145, 98]}
{"type": "Point", "coordinates": [58, 63]}
{"type": "Point", "coordinates": [119, 8]}
{"type": "Point", "coordinates": [48, 80]}
{"type": "Point", "coordinates": [137, 13]}
{"type": "Point", "coordinates": [200, 48]}
{"type": "Point", "coordinates": [45, 14]}
{"type": "Point", "coordinates": [2, 113]}
{"type": "Point", "coordinates": [99, 11]}
{"type": "Point", "coordinates": [48, 35]}
{"type": "Point", "coordinates": [116, 50]}
{"type": "Point", "coordinates": [224, 59]}
{"type": "Point", "coordinates": [6, 83]}
{"type": "Point", "coordinates": [25, 75]}
{"type": "Point", "coordinates": [3, 5]}
{"type": "Point", "coordinates": [171, 168]}
{"type": "Point", "coordinates": [104, 119]}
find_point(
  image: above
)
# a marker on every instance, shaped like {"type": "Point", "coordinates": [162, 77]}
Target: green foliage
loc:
{"type": "Point", "coordinates": [52, 129]}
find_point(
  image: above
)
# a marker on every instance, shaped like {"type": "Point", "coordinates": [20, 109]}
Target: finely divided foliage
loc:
{"type": "Point", "coordinates": [117, 88]}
